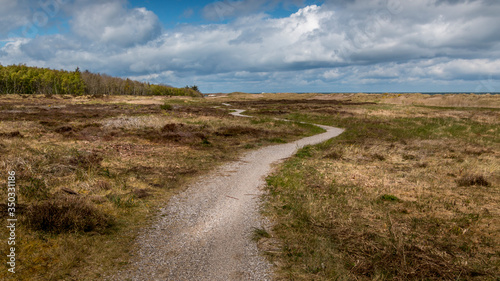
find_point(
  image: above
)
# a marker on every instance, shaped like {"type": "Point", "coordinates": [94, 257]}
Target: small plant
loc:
{"type": "Point", "coordinates": [470, 180]}
{"type": "Point", "coordinates": [166, 107]}
{"type": "Point", "coordinates": [66, 214]}
{"type": "Point", "coordinates": [105, 172]}
{"type": "Point", "coordinates": [102, 185]}
{"type": "Point", "coordinates": [249, 146]}
{"type": "Point", "coordinates": [388, 198]}
{"type": "Point", "coordinates": [409, 157]}
{"type": "Point", "coordinates": [205, 141]}
{"type": "Point", "coordinates": [378, 157]}
{"type": "Point", "coordinates": [259, 233]}
{"type": "Point", "coordinates": [86, 160]}
{"type": "Point", "coordinates": [334, 155]}
{"type": "Point", "coordinates": [304, 152]}
{"type": "Point", "coordinates": [120, 202]}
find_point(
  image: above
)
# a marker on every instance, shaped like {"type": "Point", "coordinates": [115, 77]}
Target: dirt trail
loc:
{"type": "Point", "coordinates": [204, 232]}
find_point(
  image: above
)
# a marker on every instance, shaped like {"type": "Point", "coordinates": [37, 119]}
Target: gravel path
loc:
{"type": "Point", "coordinates": [204, 232]}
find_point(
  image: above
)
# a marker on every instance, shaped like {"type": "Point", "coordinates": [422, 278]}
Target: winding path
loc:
{"type": "Point", "coordinates": [204, 232]}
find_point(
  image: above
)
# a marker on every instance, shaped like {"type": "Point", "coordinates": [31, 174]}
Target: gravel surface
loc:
{"type": "Point", "coordinates": [204, 233]}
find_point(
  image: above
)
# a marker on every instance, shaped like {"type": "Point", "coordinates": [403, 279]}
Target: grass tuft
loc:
{"type": "Point", "coordinates": [67, 214]}
{"type": "Point", "coordinates": [471, 180]}
{"type": "Point", "coordinates": [166, 106]}
{"type": "Point", "coordinates": [35, 189]}
{"type": "Point", "coordinates": [305, 152]}
{"type": "Point", "coordinates": [259, 233]}
{"type": "Point", "coordinates": [388, 198]}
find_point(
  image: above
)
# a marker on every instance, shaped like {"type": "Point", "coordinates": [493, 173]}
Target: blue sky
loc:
{"type": "Point", "coordinates": [264, 45]}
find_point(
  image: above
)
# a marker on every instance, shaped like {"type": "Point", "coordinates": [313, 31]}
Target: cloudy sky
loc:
{"type": "Point", "coordinates": [259, 45]}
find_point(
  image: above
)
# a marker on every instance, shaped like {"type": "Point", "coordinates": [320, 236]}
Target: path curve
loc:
{"type": "Point", "coordinates": [204, 232]}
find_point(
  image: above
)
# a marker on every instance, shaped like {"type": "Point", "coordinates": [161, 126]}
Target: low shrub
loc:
{"type": "Point", "coordinates": [470, 180]}
{"type": "Point", "coordinates": [66, 214]}
{"type": "Point", "coordinates": [388, 198]}
{"type": "Point", "coordinates": [166, 106]}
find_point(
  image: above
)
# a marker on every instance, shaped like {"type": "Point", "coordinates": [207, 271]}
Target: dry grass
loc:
{"type": "Point", "coordinates": [406, 193]}
{"type": "Point", "coordinates": [92, 172]}
{"type": "Point", "coordinates": [448, 100]}
{"type": "Point", "coordinates": [66, 214]}
{"type": "Point", "coordinates": [375, 200]}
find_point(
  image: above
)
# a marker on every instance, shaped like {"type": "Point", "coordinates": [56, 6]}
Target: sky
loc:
{"type": "Point", "coordinates": [264, 45]}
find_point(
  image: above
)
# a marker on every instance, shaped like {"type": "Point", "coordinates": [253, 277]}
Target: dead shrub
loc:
{"type": "Point", "coordinates": [102, 185]}
{"type": "Point", "coordinates": [477, 151]}
{"type": "Point", "coordinates": [178, 136]}
{"type": "Point", "coordinates": [409, 157]}
{"type": "Point", "coordinates": [230, 131]}
{"type": "Point", "coordinates": [90, 132]}
{"type": "Point", "coordinates": [141, 193]}
{"type": "Point", "coordinates": [470, 180]}
{"type": "Point", "coordinates": [176, 132]}
{"type": "Point", "coordinates": [66, 214]}
{"type": "Point", "coordinates": [49, 123]}
{"type": "Point", "coordinates": [173, 127]}
{"type": "Point", "coordinates": [378, 157]}
{"type": "Point", "coordinates": [335, 155]}
{"type": "Point", "coordinates": [15, 134]}
{"type": "Point", "coordinates": [63, 129]}
{"type": "Point", "coordinates": [422, 165]}
{"type": "Point", "coordinates": [86, 159]}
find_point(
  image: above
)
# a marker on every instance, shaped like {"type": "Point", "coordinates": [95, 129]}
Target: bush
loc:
{"type": "Point", "coordinates": [166, 106]}
{"type": "Point", "coordinates": [66, 214]}
{"type": "Point", "coordinates": [470, 180]}
{"type": "Point", "coordinates": [389, 198]}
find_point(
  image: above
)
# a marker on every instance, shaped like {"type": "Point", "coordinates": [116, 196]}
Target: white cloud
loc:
{"type": "Point", "coordinates": [339, 43]}
{"type": "Point", "coordinates": [13, 14]}
{"type": "Point", "coordinates": [111, 23]}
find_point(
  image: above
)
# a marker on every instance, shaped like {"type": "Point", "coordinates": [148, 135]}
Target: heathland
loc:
{"type": "Point", "coordinates": [410, 190]}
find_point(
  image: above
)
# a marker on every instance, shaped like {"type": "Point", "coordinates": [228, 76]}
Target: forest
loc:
{"type": "Point", "coordinates": [22, 79]}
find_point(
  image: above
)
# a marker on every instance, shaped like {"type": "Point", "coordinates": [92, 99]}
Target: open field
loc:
{"type": "Point", "coordinates": [91, 172]}
{"type": "Point", "coordinates": [409, 191]}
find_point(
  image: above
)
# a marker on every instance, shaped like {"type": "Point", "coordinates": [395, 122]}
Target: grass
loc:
{"type": "Point", "coordinates": [66, 214]}
{"type": "Point", "coordinates": [91, 173]}
{"type": "Point", "coordinates": [260, 233]}
{"type": "Point", "coordinates": [405, 193]}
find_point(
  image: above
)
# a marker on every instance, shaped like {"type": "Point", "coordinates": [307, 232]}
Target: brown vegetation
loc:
{"type": "Point", "coordinates": [91, 172]}
{"type": "Point", "coordinates": [405, 193]}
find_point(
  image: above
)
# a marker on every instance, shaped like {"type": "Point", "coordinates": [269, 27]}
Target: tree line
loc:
{"type": "Point", "coordinates": [22, 79]}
